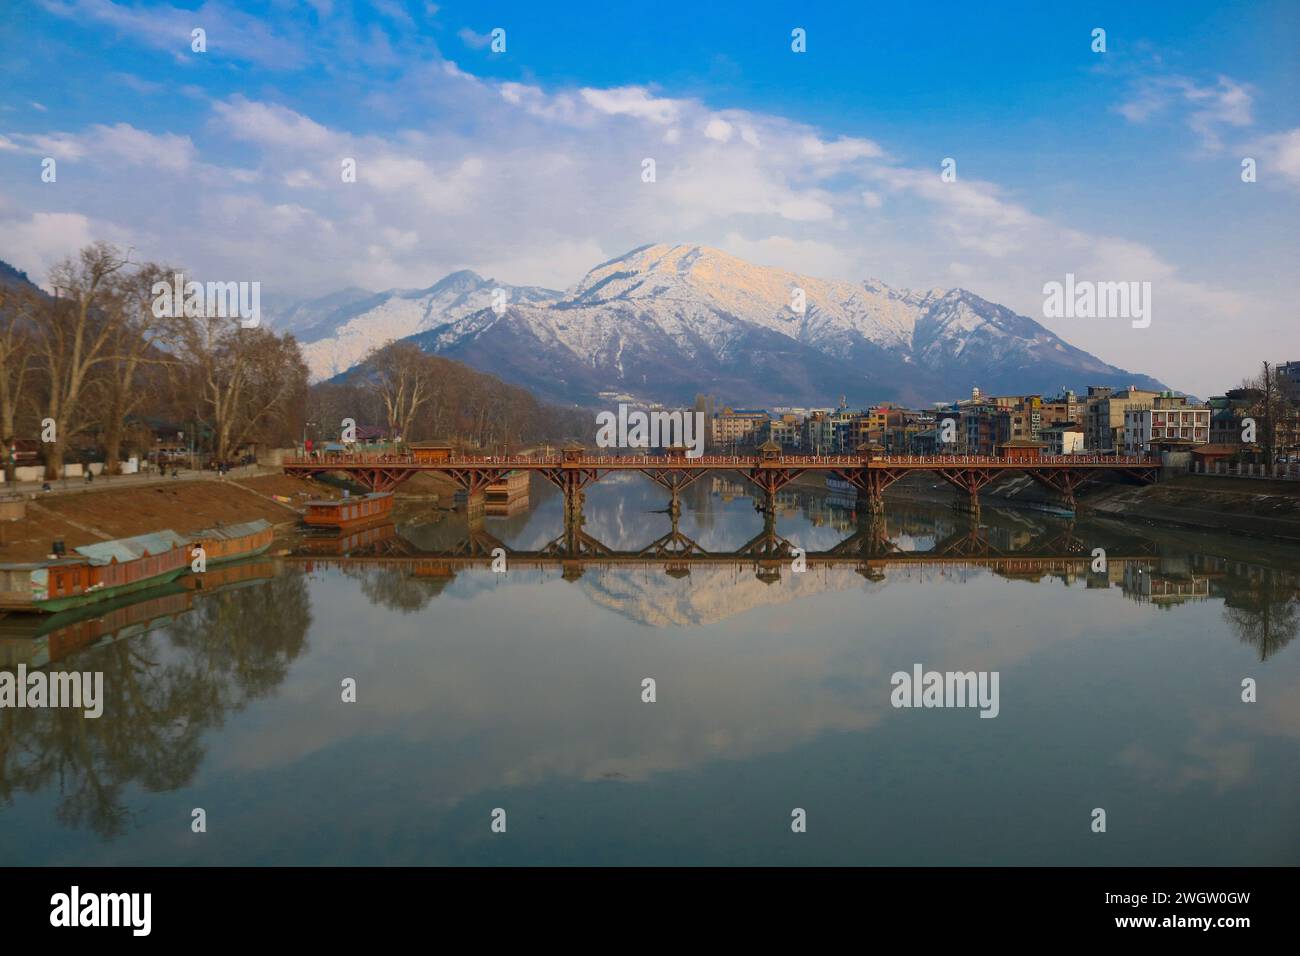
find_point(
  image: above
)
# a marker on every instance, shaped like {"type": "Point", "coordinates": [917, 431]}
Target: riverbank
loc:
{"type": "Point", "coordinates": [183, 506]}
{"type": "Point", "coordinates": [1242, 506]}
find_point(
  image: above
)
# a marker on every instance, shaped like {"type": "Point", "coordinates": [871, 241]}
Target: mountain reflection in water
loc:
{"type": "Point", "coordinates": [521, 690]}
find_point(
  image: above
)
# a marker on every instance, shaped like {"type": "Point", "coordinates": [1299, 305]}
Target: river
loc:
{"type": "Point", "coordinates": [520, 698]}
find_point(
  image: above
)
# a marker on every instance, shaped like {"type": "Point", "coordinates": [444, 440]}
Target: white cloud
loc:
{"type": "Point", "coordinates": [1206, 108]}
{"type": "Point", "coordinates": [35, 243]}
{"type": "Point", "coordinates": [1279, 155]}
{"type": "Point", "coordinates": [718, 129]}
{"type": "Point", "coordinates": [536, 185]}
{"type": "Point", "coordinates": [633, 101]}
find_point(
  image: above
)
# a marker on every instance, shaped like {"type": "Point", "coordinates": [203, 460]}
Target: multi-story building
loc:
{"type": "Point", "coordinates": [1065, 407]}
{"type": "Point", "coordinates": [1104, 420]}
{"type": "Point", "coordinates": [819, 433]}
{"type": "Point", "coordinates": [787, 431]}
{"type": "Point", "coordinates": [1226, 414]}
{"type": "Point", "coordinates": [1063, 438]}
{"type": "Point", "coordinates": [1148, 429]}
{"type": "Point", "coordinates": [740, 426]}
{"type": "Point", "coordinates": [1288, 380]}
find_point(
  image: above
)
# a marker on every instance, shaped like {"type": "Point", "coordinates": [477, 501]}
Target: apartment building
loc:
{"type": "Point", "coordinates": [787, 431]}
{"type": "Point", "coordinates": [1148, 429]}
{"type": "Point", "coordinates": [1104, 420]}
{"type": "Point", "coordinates": [1063, 438]}
{"type": "Point", "coordinates": [740, 426]}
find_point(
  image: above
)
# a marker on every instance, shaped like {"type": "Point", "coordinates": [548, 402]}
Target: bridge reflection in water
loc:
{"type": "Point", "coordinates": [869, 550]}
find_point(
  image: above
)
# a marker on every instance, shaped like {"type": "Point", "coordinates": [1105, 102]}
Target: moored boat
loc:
{"type": "Point", "coordinates": [348, 512]}
{"type": "Point", "coordinates": [97, 572]}
{"type": "Point", "coordinates": [235, 541]}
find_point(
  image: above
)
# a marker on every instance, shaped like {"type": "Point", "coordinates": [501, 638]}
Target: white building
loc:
{"type": "Point", "coordinates": [1064, 439]}
{"type": "Point", "coordinates": [1145, 426]}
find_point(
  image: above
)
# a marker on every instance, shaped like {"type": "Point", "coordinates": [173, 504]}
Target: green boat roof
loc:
{"type": "Point", "coordinates": [229, 531]}
{"type": "Point", "coordinates": [132, 549]}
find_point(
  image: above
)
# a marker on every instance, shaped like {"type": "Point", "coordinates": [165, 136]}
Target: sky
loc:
{"type": "Point", "coordinates": [526, 164]}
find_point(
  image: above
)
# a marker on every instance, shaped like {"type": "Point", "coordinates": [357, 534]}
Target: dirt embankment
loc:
{"type": "Point", "coordinates": [1235, 505]}
{"type": "Point", "coordinates": [184, 507]}
{"type": "Point", "coordinates": [1249, 506]}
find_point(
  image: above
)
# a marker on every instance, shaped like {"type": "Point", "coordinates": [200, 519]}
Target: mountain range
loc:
{"type": "Point", "coordinates": [667, 322]}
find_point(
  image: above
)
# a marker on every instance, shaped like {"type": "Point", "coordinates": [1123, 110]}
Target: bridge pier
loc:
{"type": "Point", "coordinates": [673, 480]}
{"type": "Point", "coordinates": [476, 510]}
{"type": "Point", "coordinates": [969, 480]}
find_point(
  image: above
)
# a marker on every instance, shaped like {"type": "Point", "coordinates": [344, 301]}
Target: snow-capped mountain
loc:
{"type": "Point", "coordinates": [666, 322]}
{"type": "Point", "coordinates": [350, 323]}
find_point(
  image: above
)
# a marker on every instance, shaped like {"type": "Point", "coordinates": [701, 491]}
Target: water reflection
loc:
{"type": "Point", "coordinates": [481, 689]}
{"type": "Point", "coordinates": [175, 665]}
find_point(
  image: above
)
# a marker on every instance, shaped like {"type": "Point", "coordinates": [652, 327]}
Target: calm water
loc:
{"type": "Point", "coordinates": [522, 691]}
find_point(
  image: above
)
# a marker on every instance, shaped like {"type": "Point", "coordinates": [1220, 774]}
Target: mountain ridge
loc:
{"type": "Point", "coordinates": [663, 322]}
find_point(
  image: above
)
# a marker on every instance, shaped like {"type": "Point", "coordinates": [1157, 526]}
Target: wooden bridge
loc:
{"type": "Point", "coordinates": [574, 469]}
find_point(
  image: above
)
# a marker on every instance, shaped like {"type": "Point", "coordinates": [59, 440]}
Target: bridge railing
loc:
{"type": "Point", "coordinates": [344, 459]}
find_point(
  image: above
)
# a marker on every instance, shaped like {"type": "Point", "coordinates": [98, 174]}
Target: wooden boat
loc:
{"type": "Point", "coordinates": [513, 485]}
{"type": "Point", "coordinates": [348, 512]}
{"type": "Point", "coordinates": [99, 571]}
{"type": "Point", "coordinates": [235, 541]}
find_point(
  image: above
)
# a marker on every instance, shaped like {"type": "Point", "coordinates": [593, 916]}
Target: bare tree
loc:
{"type": "Point", "coordinates": [16, 329]}
{"type": "Point", "coordinates": [1270, 409]}
{"type": "Point", "coordinates": [139, 334]}
{"type": "Point", "coordinates": [76, 334]}
{"type": "Point", "coordinates": [402, 379]}
{"type": "Point", "coordinates": [247, 384]}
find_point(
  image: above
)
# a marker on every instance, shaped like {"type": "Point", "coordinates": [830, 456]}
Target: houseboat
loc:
{"type": "Point", "coordinates": [25, 585]}
{"type": "Point", "coordinates": [512, 485]}
{"type": "Point", "coordinates": [235, 541]}
{"type": "Point", "coordinates": [99, 571]}
{"type": "Point", "coordinates": [348, 512]}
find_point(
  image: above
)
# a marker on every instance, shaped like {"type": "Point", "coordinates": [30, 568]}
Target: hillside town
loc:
{"type": "Point", "coordinates": [1107, 420]}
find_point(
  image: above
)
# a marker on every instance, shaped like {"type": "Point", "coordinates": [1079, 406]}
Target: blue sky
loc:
{"type": "Point", "coordinates": [525, 165]}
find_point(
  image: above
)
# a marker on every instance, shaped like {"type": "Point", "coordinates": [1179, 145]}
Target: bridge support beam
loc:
{"type": "Point", "coordinates": [769, 481]}
{"type": "Point", "coordinates": [673, 480]}
{"type": "Point", "coordinates": [1064, 481]}
{"type": "Point", "coordinates": [969, 480]}
{"type": "Point", "coordinates": [573, 482]}
{"type": "Point", "coordinates": [871, 484]}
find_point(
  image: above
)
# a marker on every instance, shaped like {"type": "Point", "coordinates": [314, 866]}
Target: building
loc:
{"type": "Point", "coordinates": [1226, 414]}
{"type": "Point", "coordinates": [1063, 438]}
{"type": "Point", "coordinates": [819, 433]}
{"type": "Point", "coordinates": [1104, 418]}
{"type": "Point", "coordinates": [1288, 380]}
{"type": "Point", "coordinates": [787, 431]}
{"type": "Point", "coordinates": [740, 426]}
{"type": "Point", "coordinates": [1064, 408]}
{"type": "Point", "coordinates": [1148, 429]}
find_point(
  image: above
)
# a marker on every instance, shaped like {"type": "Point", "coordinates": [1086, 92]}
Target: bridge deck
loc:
{"type": "Point", "coordinates": [346, 462]}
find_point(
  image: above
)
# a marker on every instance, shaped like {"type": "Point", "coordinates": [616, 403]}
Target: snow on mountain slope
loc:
{"type": "Point", "coordinates": [342, 337]}
{"type": "Point", "coordinates": [666, 322]}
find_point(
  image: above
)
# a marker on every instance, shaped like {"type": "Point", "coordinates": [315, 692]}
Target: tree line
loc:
{"type": "Point", "coordinates": [413, 396]}
{"type": "Point", "coordinates": [93, 365]}
{"type": "Point", "coordinates": [93, 357]}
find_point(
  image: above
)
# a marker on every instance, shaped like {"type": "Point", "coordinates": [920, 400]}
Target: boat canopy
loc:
{"type": "Point", "coordinates": [132, 549]}
{"type": "Point", "coordinates": [230, 532]}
